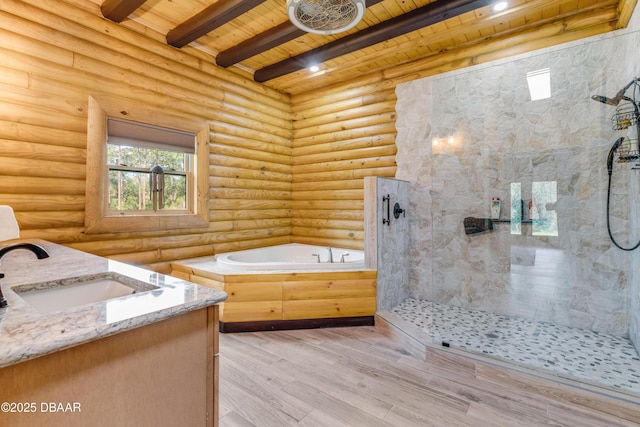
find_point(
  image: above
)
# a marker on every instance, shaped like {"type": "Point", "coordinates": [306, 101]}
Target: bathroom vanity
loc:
{"type": "Point", "coordinates": [147, 358]}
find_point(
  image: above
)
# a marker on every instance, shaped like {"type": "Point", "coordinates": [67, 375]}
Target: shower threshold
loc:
{"type": "Point", "coordinates": [601, 360]}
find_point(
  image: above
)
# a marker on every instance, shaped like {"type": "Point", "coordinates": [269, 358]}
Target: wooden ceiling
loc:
{"type": "Point", "coordinates": [255, 37]}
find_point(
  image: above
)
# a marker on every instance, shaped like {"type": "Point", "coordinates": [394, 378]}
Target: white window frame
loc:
{"type": "Point", "coordinates": [98, 219]}
{"type": "Point", "coordinates": [141, 135]}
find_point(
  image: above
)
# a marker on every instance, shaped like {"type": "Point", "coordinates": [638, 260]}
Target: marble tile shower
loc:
{"type": "Point", "coordinates": [493, 152]}
{"type": "Point", "coordinates": [470, 135]}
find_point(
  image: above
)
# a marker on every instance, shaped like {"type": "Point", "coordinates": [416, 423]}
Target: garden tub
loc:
{"type": "Point", "coordinates": [293, 256]}
{"type": "Point", "coordinates": [285, 287]}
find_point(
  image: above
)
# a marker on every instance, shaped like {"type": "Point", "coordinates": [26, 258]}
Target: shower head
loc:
{"type": "Point", "coordinates": [609, 101]}
{"type": "Point", "coordinates": [616, 99]}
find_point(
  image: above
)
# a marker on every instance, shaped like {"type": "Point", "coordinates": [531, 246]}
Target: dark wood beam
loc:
{"type": "Point", "coordinates": [208, 20]}
{"type": "Point", "coordinates": [262, 42]}
{"type": "Point", "coordinates": [424, 16]}
{"type": "Point", "coordinates": [118, 10]}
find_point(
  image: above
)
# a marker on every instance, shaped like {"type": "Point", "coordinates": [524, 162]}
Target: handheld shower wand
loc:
{"type": "Point", "coordinates": [612, 153]}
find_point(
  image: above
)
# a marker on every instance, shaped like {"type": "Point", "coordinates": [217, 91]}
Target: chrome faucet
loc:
{"type": "Point", "coordinates": [36, 249]}
{"type": "Point", "coordinates": [330, 254]}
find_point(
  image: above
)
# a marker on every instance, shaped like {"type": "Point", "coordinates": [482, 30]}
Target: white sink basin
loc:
{"type": "Point", "coordinates": [62, 294]}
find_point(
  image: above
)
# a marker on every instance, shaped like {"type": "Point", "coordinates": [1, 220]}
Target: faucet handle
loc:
{"type": "Point", "coordinates": [317, 255]}
{"type": "Point", "coordinates": [344, 254]}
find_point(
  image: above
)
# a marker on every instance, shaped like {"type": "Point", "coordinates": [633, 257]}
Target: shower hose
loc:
{"type": "Point", "coordinates": [608, 222]}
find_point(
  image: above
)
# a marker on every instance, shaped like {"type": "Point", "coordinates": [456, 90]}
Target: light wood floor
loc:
{"type": "Point", "coordinates": [362, 377]}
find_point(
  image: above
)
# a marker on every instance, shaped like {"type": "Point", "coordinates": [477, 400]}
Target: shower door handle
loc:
{"type": "Point", "coordinates": [387, 220]}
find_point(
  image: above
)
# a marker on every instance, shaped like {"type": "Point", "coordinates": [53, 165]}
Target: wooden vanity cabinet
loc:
{"type": "Point", "coordinates": [162, 374]}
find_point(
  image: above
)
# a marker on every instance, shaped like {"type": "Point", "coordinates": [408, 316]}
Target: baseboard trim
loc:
{"type": "Point", "coordinates": [282, 325]}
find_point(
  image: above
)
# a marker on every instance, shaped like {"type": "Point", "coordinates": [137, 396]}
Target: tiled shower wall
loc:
{"type": "Point", "coordinates": [490, 136]}
{"type": "Point", "coordinates": [633, 68]}
{"type": "Point", "coordinates": [386, 243]}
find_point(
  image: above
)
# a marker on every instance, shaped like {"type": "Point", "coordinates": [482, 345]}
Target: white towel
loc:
{"type": "Point", "coordinates": [8, 225]}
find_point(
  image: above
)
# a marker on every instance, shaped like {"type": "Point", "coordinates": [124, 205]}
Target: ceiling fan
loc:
{"type": "Point", "coordinates": [325, 16]}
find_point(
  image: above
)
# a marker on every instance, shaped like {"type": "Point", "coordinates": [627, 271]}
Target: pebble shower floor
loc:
{"type": "Point", "coordinates": [578, 354]}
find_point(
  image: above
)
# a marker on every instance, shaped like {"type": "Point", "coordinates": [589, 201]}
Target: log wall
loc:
{"type": "Point", "coordinates": [282, 169]}
{"type": "Point", "coordinates": [341, 134]}
{"type": "Point", "coordinates": [55, 54]}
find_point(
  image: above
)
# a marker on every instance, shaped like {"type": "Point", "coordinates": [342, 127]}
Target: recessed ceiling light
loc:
{"type": "Point", "coordinates": [314, 68]}
{"type": "Point", "coordinates": [500, 6]}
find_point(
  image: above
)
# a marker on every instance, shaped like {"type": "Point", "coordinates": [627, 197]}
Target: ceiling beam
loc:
{"type": "Point", "coordinates": [264, 41]}
{"type": "Point", "coordinates": [626, 9]}
{"type": "Point", "coordinates": [208, 20]}
{"type": "Point", "coordinates": [118, 10]}
{"type": "Point", "coordinates": [424, 16]}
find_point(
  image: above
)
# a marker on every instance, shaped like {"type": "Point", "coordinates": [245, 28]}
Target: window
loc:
{"type": "Point", "coordinates": [146, 170]}
{"type": "Point", "coordinates": [544, 218]}
{"type": "Point", "coordinates": [539, 83]}
{"type": "Point", "coordinates": [539, 210]}
{"type": "Point", "coordinates": [150, 167]}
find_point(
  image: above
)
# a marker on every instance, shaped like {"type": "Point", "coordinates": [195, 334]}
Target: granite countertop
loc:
{"type": "Point", "coordinates": [26, 333]}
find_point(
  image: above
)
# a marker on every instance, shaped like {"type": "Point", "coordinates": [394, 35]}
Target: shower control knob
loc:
{"type": "Point", "coordinates": [397, 211]}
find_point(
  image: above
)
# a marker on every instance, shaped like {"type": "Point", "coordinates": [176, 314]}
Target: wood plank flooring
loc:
{"type": "Point", "coordinates": [362, 376]}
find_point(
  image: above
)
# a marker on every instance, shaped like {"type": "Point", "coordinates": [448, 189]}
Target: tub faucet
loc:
{"type": "Point", "coordinates": [330, 254]}
{"type": "Point", "coordinates": [36, 249]}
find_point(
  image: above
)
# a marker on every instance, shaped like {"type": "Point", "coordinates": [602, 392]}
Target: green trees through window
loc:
{"type": "Point", "coordinates": [538, 210]}
{"type": "Point", "coordinates": [130, 177]}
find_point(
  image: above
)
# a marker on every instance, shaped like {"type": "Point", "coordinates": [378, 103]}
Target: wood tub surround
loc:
{"type": "Point", "coordinates": [144, 359]}
{"type": "Point", "coordinates": [285, 300]}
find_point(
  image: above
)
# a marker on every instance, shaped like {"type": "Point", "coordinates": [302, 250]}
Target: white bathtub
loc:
{"type": "Point", "coordinates": [292, 256]}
